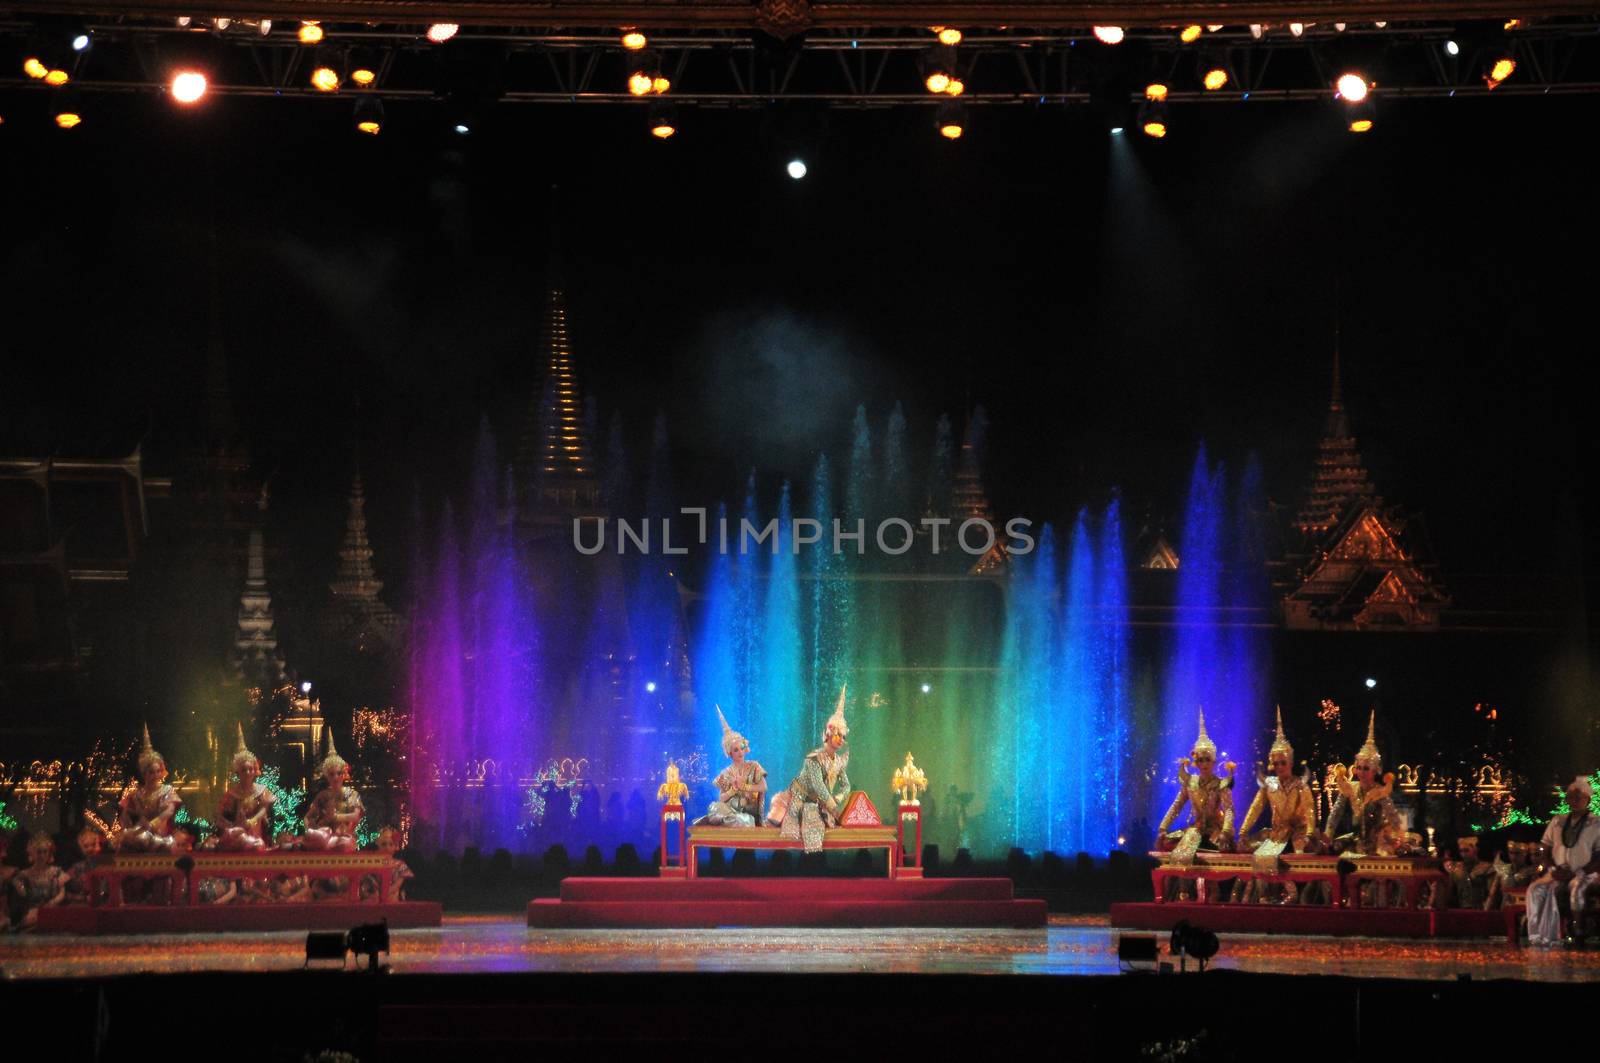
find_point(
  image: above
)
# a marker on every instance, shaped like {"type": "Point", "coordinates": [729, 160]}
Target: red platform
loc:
{"type": "Point", "coordinates": [1313, 919]}
{"type": "Point", "coordinates": [635, 903]}
{"type": "Point", "coordinates": [170, 919]}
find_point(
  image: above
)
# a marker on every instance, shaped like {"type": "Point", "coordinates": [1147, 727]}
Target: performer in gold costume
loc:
{"type": "Point", "coordinates": [1515, 873]}
{"type": "Point", "coordinates": [1471, 879]}
{"type": "Point", "coordinates": [1210, 801]}
{"type": "Point", "coordinates": [90, 844]}
{"type": "Point", "coordinates": [811, 802]}
{"type": "Point", "coordinates": [741, 786]}
{"type": "Point", "coordinates": [41, 884]}
{"type": "Point", "coordinates": [147, 810]}
{"type": "Point", "coordinates": [331, 820]}
{"type": "Point", "coordinates": [1289, 797]}
{"type": "Point", "coordinates": [245, 808]}
{"type": "Point", "coordinates": [1375, 828]}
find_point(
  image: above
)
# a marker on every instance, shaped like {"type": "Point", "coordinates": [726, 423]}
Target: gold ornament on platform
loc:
{"type": "Point", "coordinates": [909, 780]}
{"type": "Point", "coordinates": [674, 788]}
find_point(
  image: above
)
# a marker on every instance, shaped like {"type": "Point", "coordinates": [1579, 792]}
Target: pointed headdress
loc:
{"type": "Point", "coordinates": [148, 757]}
{"type": "Point", "coordinates": [1280, 743]}
{"type": "Point", "coordinates": [730, 737]}
{"type": "Point", "coordinates": [1369, 748]}
{"type": "Point", "coordinates": [241, 752]}
{"type": "Point", "coordinates": [836, 724]}
{"type": "Point", "coordinates": [1204, 744]}
{"type": "Point", "coordinates": [333, 761]}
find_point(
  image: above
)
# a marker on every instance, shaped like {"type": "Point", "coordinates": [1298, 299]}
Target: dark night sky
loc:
{"type": "Point", "coordinates": [1111, 306]}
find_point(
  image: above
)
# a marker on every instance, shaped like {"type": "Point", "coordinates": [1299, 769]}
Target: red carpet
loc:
{"type": "Point", "coordinates": [822, 902]}
{"type": "Point", "coordinates": [1312, 919]}
{"type": "Point", "coordinates": [151, 919]}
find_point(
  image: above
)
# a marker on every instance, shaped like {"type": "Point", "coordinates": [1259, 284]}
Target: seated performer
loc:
{"type": "Point", "coordinates": [215, 890]}
{"type": "Point", "coordinates": [90, 846]}
{"type": "Point", "coordinates": [1289, 797]}
{"type": "Point", "coordinates": [812, 801]}
{"type": "Point", "coordinates": [1210, 801]}
{"type": "Point", "coordinates": [336, 810]}
{"type": "Point", "coordinates": [1375, 828]}
{"type": "Point", "coordinates": [1573, 841]}
{"type": "Point", "coordinates": [399, 873]}
{"type": "Point", "coordinates": [1471, 879]}
{"type": "Point", "coordinates": [41, 884]}
{"type": "Point", "coordinates": [741, 786]}
{"type": "Point", "coordinates": [245, 808]}
{"type": "Point", "coordinates": [147, 810]}
{"type": "Point", "coordinates": [1513, 875]}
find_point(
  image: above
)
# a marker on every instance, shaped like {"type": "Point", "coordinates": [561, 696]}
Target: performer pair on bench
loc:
{"type": "Point", "coordinates": [810, 804]}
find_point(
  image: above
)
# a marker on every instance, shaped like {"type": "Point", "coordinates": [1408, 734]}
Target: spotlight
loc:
{"type": "Point", "coordinates": [81, 40]}
{"type": "Point", "coordinates": [634, 40]}
{"type": "Point", "coordinates": [1153, 119]}
{"type": "Point", "coordinates": [440, 32]}
{"type": "Point", "coordinates": [1256, 29]}
{"type": "Point", "coordinates": [1451, 48]}
{"type": "Point", "coordinates": [1116, 131]}
{"type": "Point", "coordinates": [1371, 682]}
{"type": "Point", "coordinates": [363, 76]}
{"type": "Point", "coordinates": [326, 945]}
{"type": "Point", "coordinates": [462, 128]}
{"type": "Point", "coordinates": [34, 68]}
{"type": "Point", "coordinates": [310, 33]}
{"type": "Point", "coordinates": [796, 169]}
{"type": "Point", "coordinates": [1215, 78]}
{"type": "Point", "coordinates": [1297, 28]}
{"type": "Point", "coordinates": [1352, 88]}
{"type": "Point", "coordinates": [368, 940]}
{"type": "Point", "coordinates": [951, 122]}
{"type": "Point", "coordinates": [1194, 941]}
{"type": "Point", "coordinates": [188, 86]}
{"type": "Point", "coordinates": [651, 686]}
{"type": "Point", "coordinates": [1156, 91]}
{"type": "Point", "coordinates": [221, 24]}
{"type": "Point", "coordinates": [950, 35]}
{"type": "Point", "coordinates": [1109, 34]}
{"type": "Point", "coordinates": [937, 82]}
{"type": "Point", "coordinates": [1501, 69]}
{"type": "Point", "coordinates": [265, 27]}
{"type": "Point", "coordinates": [938, 70]}
{"type": "Point", "coordinates": [56, 78]}
{"type": "Point", "coordinates": [305, 688]}
{"type": "Point", "coordinates": [659, 85]}
{"type": "Point", "coordinates": [640, 83]}
{"type": "Point", "coordinates": [325, 79]}
{"type": "Point", "coordinates": [956, 87]}
{"type": "Point", "coordinates": [1190, 34]}
{"type": "Point", "coordinates": [69, 119]}
{"type": "Point", "coordinates": [1213, 27]}
{"type": "Point", "coordinates": [1137, 948]}
{"type": "Point", "coordinates": [927, 688]}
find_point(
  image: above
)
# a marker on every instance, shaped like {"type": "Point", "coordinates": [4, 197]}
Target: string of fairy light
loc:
{"type": "Point", "coordinates": [1186, 63]}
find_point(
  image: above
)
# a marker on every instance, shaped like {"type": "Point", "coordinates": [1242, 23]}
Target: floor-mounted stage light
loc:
{"type": "Point", "coordinates": [369, 115]}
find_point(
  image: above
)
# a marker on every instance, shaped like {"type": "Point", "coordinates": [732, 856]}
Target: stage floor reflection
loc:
{"type": "Point", "coordinates": [1071, 945]}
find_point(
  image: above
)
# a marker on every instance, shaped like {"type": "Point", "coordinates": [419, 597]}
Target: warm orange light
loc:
{"type": "Point", "coordinates": [188, 86]}
{"type": "Point", "coordinates": [950, 131]}
{"type": "Point", "coordinates": [440, 32]}
{"type": "Point", "coordinates": [310, 33]}
{"type": "Point", "coordinates": [956, 87]}
{"type": "Point", "coordinates": [660, 85]}
{"type": "Point", "coordinates": [1502, 69]}
{"type": "Point", "coordinates": [1155, 128]}
{"type": "Point", "coordinates": [369, 127]}
{"type": "Point", "coordinates": [937, 82]}
{"type": "Point", "coordinates": [362, 76]}
{"type": "Point", "coordinates": [1108, 34]}
{"type": "Point", "coordinates": [950, 35]}
{"type": "Point", "coordinates": [56, 77]}
{"type": "Point", "coordinates": [1156, 91]}
{"type": "Point", "coordinates": [68, 119]}
{"type": "Point", "coordinates": [1361, 125]}
{"type": "Point", "coordinates": [639, 83]}
{"type": "Point", "coordinates": [325, 79]}
{"type": "Point", "coordinates": [634, 41]}
{"type": "Point", "coordinates": [33, 68]}
{"type": "Point", "coordinates": [1352, 87]}
{"type": "Point", "coordinates": [1190, 34]}
{"type": "Point", "coordinates": [661, 130]}
{"type": "Point", "coordinates": [1512, 24]}
{"type": "Point", "coordinates": [1216, 78]}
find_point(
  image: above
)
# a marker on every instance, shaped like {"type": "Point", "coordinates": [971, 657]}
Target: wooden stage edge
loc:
{"type": "Point", "coordinates": [203, 918]}
{"type": "Point", "coordinates": [1318, 920]}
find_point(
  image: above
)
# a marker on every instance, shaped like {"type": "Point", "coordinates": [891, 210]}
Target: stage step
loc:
{"type": "Point", "coordinates": [722, 890]}
{"type": "Point", "coordinates": [1020, 914]}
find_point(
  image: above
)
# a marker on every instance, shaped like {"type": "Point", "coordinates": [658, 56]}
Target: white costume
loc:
{"type": "Point", "coordinates": [1574, 841]}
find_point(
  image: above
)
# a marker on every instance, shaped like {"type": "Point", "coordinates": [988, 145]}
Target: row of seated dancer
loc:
{"type": "Point", "coordinates": [1561, 872]}
{"type": "Point", "coordinates": [147, 823]}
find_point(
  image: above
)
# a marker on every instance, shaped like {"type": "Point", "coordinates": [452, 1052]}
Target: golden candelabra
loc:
{"type": "Point", "coordinates": [674, 788]}
{"type": "Point", "coordinates": [909, 780]}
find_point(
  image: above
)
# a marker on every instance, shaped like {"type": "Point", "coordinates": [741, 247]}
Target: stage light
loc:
{"type": "Point", "coordinates": [1154, 125]}
{"type": "Point", "coordinates": [633, 41]}
{"type": "Point", "coordinates": [264, 27]}
{"type": "Point", "coordinates": [188, 86]}
{"type": "Point", "coordinates": [951, 121]}
{"type": "Point", "coordinates": [363, 76]}
{"type": "Point", "coordinates": [1360, 125]}
{"type": "Point", "coordinates": [1137, 948]}
{"type": "Point", "coordinates": [34, 69]}
{"type": "Point", "coordinates": [69, 119]}
{"type": "Point", "coordinates": [325, 79]}
{"type": "Point", "coordinates": [1338, 27]}
{"type": "Point", "coordinates": [950, 35]}
{"type": "Point", "coordinates": [1194, 941]}
{"type": "Point", "coordinates": [368, 940]}
{"type": "Point", "coordinates": [1352, 88]}
{"type": "Point", "coordinates": [1297, 28]}
{"type": "Point", "coordinates": [650, 687]}
{"type": "Point", "coordinates": [305, 688]}
{"type": "Point", "coordinates": [956, 87]}
{"type": "Point", "coordinates": [1109, 34]}
{"type": "Point", "coordinates": [326, 945]}
{"type": "Point", "coordinates": [310, 33]}
{"type": "Point", "coordinates": [937, 82]}
{"type": "Point", "coordinates": [1116, 131]}
{"type": "Point", "coordinates": [462, 128]}
{"type": "Point", "coordinates": [1501, 69]}
{"type": "Point", "coordinates": [56, 78]}
{"type": "Point", "coordinates": [659, 85]}
{"type": "Point", "coordinates": [796, 169]}
{"type": "Point", "coordinates": [81, 40]}
{"type": "Point", "coordinates": [221, 24]}
{"type": "Point", "coordinates": [1451, 48]}
{"type": "Point", "coordinates": [1256, 30]}
{"type": "Point", "coordinates": [1215, 78]}
{"type": "Point", "coordinates": [1156, 91]}
{"type": "Point", "coordinates": [927, 688]}
{"type": "Point", "coordinates": [639, 83]}
{"type": "Point", "coordinates": [1512, 24]}
{"type": "Point", "coordinates": [440, 32]}
{"type": "Point", "coordinates": [1371, 682]}
{"type": "Point", "coordinates": [1214, 28]}
{"type": "Point", "coordinates": [1190, 34]}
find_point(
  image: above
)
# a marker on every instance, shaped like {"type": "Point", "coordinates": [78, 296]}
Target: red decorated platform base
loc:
{"type": "Point", "coordinates": [1316, 919]}
{"type": "Point", "coordinates": [182, 918]}
{"type": "Point", "coordinates": [635, 903]}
